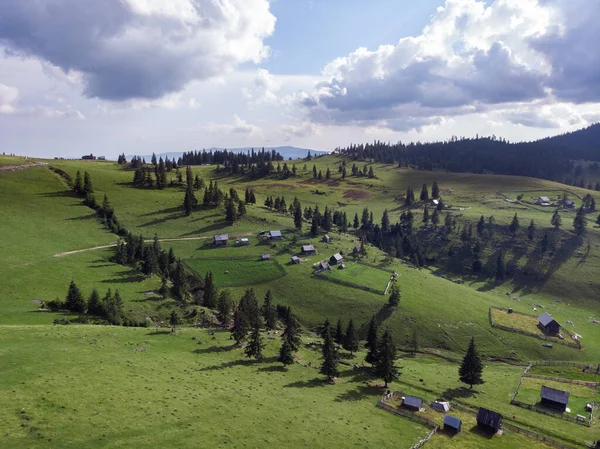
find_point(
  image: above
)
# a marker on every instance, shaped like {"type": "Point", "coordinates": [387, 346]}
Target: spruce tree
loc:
{"type": "Point", "coordinates": [385, 367]}
{"type": "Point", "coordinates": [326, 327]}
{"type": "Point", "coordinates": [87, 184]}
{"type": "Point", "coordinates": [394, 299]}
{"type": "Point", "coordinates": [224, 306]}
{"type": "Point", "coordinates": [209, 295]}
{"type": "Point", "coordinates": [78, 186]}
{"type": "Point", "coordinates": [371, 343]}
{"type": "Point", "coordinates": [189, 200]}
{"type": "Point", "coordinates": [239, 329]}
{"type": "Point", "coordinates": [481, 225]}
{"type": "Point", "coordinates": [500, 267]}
{"type": "Point", "coordinates": [435, 217]}
{"type": "Point", "coordinates": [330, 357]}
{"type": "Point", "coordinates": [435, 190]}
{"type": "Point", "coordinates": [385, 222]}
{"type": "Point", "coordinates": [531, 230]}
{"type": "Point", "coordinates": [471, 369]}
{"type": "Point", "coordinates": [230, 211]}
{"type": "Point", "coordinates": [579, 223]}
{"type": "Point", "coordinates": [74, 300]}
{"type": "Point", "coordinates": [298, 217]}
{"type": "Point", "coordinates": [163, 291]}
{"type": "Point", "coordinates": [291, 334]}
{"type": "Point", "coordinates": [286, 356]}
{"type": "Point", "coordinates": [514, 225]}
{"type": "Point", "coordinates": [339, 333]}
{"type": "Point", "coordinates": [351, 338]}
{"type": "Point", "coordinates": [556, 221]}
{"type": "Point", "coordinates": [94, 305]}
{"type": "Point", "coordinates": [424, 193]}
{"type": "Point", "coordinates": [255, 346]}
{"type": "Point", "coordinates": [356, 223]}
{"type": "Point", "coordinates": [241, 211]}
{"type": "Point", "coordinates": [426, 215]}
{"type": "Point", "coordinates": [314, 227]}
{"type": "Point", "coordinates": [268, 312]}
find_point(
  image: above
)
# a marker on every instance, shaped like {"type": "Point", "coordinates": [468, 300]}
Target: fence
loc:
{"type": "Point", "coordinates": [544, 411]}
{"type": "Point", "coordinates": [576, 345]}
{"type": "Point", "coordinates": [585, 383]}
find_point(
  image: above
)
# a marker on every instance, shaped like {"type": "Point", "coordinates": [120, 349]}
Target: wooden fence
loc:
{"type": "Point", "coordinates": [548, 412]}
{"type": "Point", "coordinates": [585, 383]}
{"type": "Point", "coordinates": [576, 344]}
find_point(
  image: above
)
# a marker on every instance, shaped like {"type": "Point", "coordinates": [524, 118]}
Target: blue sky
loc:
{"type": "Point", "coordinates": [142, 76]}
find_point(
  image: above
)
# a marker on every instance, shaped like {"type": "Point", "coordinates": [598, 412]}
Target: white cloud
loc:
{"type": "Point", "coordinates": [239, 126]}
{"type": "Point", "coordinates": [8, 95]}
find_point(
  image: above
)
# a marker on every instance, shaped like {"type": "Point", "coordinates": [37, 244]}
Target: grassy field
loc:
{"type": "Point", "coordinates": [529, 392]}
{"type": "Point", "coordinates": [565, 372]}
{"type": "Point", "coordinates": [359, 273]}
{"type": "Point", "coordinates": [240, 271]}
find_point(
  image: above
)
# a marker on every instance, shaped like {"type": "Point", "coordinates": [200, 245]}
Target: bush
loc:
{"type": "Point", "coordinates": [55, 305]}
{"type": "Point", "coordinates": [62, 320]}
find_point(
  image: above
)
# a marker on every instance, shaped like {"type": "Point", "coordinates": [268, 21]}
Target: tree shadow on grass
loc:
{"type": "Point", "coordinates": [209, 228]}
{"type": "Point", "coordinates": [240, 362]}
{"type": "Point", "coordinates": [316, 382]}
{"type": "Point", "coordinates": [358, 394]}
{"type": "Point", "coordinates": [480, 432]}
{"type": "Point", "coordinates": [59, 194]}
{"type": "Point", "coordinates": [460, 392]}
{"type": "Point", "coordinates": [125, 277]}
{"type": "Point", "coordinates": [273, 369]}
{"type": "Point", "coordinates": [160, 332]}
{"type": "Point", "coordinates": [213, 349]}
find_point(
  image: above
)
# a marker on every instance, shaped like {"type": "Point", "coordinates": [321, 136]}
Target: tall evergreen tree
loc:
{"type": "Point", "coordinates": [241, 210]}
{"type": "Point", "coordinates": [298, 217]}
{"type": "Point", "coordinates": [189, 200]}
{"type": "Point", "coordinates": [500, 267]}
{"type": "Point", "coordinates": [230, 211]}
{"type": "Point", "coordinates": [371, 343]}
{"type": "Point", "coordinates": [385, 222]}
{"type": "Point", "coordinates": [87, 184]}
{"type": "Point", "coordinates": [174, 320]}
{"type": "Point", "coordinates": [224, 307]}
{"type": "Point", "coordinates": [394, 299]}
{"type": "Point", "coordinates": [514, 225]}
{"type": "Point", "coordinates": [424, 193]}
{"type": "Point", "coordinates": [286, 356]}
{"type": "Point", "coordinates": [556, 220]}
{"type": "Point", "coordinates": [385, 367]}
{"type": "Point", "coordinates": [255, 345]}
{"type": "Point", "coordinates": [314, 227]}
{"type": "Point", "coordinates": [579, 222]}
{"type": "Point", "coordinates": [74, 300]}
{"type": "Point", "coordinates": [94, 305]}
{"type": "Point", "coordinates": [339, 333]}
{"type": "Point", "coordinates": [531, 230]}
{"type": "Point", "coordinates": [330, 357]}
{"type": "Point", "coordinates": [435, 190]}
{"type": "Point", "coordinates": [239, 329]}
{"type": "Point", "coordinates": [269, 313]}
{"type": "Point", "coordinates": [351, 338]}
{"type": "Point", "coordinates": [435, 217]}
{"type": "Point", "coordinates": [326, 327]}
{"type": "Point", "coordinates": [356, 223]}
{"type": "Point", "coordinates": [292, 331]}
{"type": "Point", "coordinates": [209, 294]}
{"type": "Point", "coordinates": [78, 186]}
{"type": "Point", "coordinates": [471, 369]}
{"type": "Point", "coordinates": [426, 215]}
{"type": "Point", "coordinates": [481, 225]}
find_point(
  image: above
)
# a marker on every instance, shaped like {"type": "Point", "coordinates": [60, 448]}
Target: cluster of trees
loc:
{"type": "Point", "coordinates": [279, 205]}
{"type": "Point", "coordinates": [229, 159]}
{"type": "Point", "coordinates": [424, 196]}
{"type": "Point", "coordinates": [110, 307]}
{"type": "Point", "coordinates": [325, 221]}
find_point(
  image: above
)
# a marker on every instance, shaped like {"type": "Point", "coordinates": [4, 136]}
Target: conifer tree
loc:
{"type": "Point", "coordinates": [500, 267]}
{"type": "Point", "coordinates": [339, 333]}
{"type": "Point", "coordinates": [74, 300]}
{"type": "Point", "coordinates": [356, 223]}
{"type": "Point", "coordinates": [298, 217]}
{"type": "Point", "coordinates": [435, 217]}
{"type": "Point", "coordinates": [326, 327]}
{"type": "Point", "coordinates": [314, 227]}
{"type": "Point", "coordinates": [471, 369]}
{"type": "Point", "coordinates": [544, 242]}
{"type": "Point", "coordinates": [351, 338]}
{"type": "Point", "coordinates": [163, 291]}
{"type": "Point", "coordinates": [286, 356]}
{"type": "Point", "coordinates": [424, 193]}
{"type": "Point", "coordinates": [385, 222]}
{"type": "Point", "coordinates": [579, 223]}
{"type": "Point", "coordinates": [189, 200]}
{"type": "Point", "coordinates": [514, 225]}
{"type": "Point", "coordinates": [394, 299]}
{"type": "Point", "coordinates": [385, 367]}
{"type": "Point", "coordinates": [329, 367]}
{"type": "Point", "coordinates": [239, 329]}
{"type": "Point", "coordinates": [269, 313]}
{"type": "Point", "coordinates": [291, 334]}
{"type": "Point", "coordinates": [531, 230]}
{"type": "Point", "coordinates": [113, 307]}
{"type": "Point", "coordinates": [224, 306]}
{"type": "Point", "coordinates": [481, 225]}
{"type": "Point", "coordinates": [209, 295]}
{"type": "Point", "coordinates": [230, 212]}
{"type": "Point", "coordinates": [94, 305]}
{"type": "Point", "coordinates": [241, 209]}
{"type": "Point", "coordinates": [255, 346]}
{"type": "Point", "coordinates": [426, 215]}
{"type": "Point", "coordinates": [87, 184]}
{"type": "Point", "coordinates": [78, 186]}
{"type": "Point", "coordinates": [435, 191]}
{"type": "Point", "coordinates": [371, 343]}
{"type": "Point", "coordinates": [556, 220]}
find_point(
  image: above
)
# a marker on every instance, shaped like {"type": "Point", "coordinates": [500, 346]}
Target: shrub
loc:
{"type": "Point", "coordinates": [62, 320]}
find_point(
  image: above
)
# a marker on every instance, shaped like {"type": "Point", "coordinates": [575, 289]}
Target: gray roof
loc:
{"type": "Point", "coordinates": [337, 256]}
{"type": "Point", "coordinates": [544, 199]}
{"type": "Point", "coordinates": [295, 258]}
{"type": "Point", "coordinates": [265, 256]}
{"type": "Point", "coordinates": [489, 418]}
{"type": "Point", "coordinates": [275, 233]}
{"type": "Point", "coordinates": [324, 264]}
{"type": "Point", "coordinates": [220, 237]}
{"type": "Point", "coordinates": [545, 319]}
{"type": "Point", "coordinates": [452, 421]}
{"type": "Point", "coordinates": [412, 401]}
{"type": "Point", "coordinates": [307, 248]}
{"type": "Point", "coordinates": [559, 396]}
{"type": "Point", "coordinates": [440, 406]}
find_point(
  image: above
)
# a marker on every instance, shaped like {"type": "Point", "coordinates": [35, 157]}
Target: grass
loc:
{"type": "Point", "coordinates": [238, 272]}
{"type": "Point", "coordinates": [359, 273]}
{"type": "Point", "coordinates": [565, 372]}
{"type": "Point", "coordinates": [529, 392]}
{"type": "Point", "coordinates": [99, 387]}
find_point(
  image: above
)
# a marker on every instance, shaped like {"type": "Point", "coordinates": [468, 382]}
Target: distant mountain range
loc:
{"type": "Point", "coordinates": [286, 151]}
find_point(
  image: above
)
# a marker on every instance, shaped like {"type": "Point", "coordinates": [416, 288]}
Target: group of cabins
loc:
{"type": "Point", "coordinates": [223, 239]}
{"type": "Point", "coordinates": [545, 201]}
{"type": "Point", "coordinates": [336, 259]}
{"type": "Point", "coordinates": [91, 157]}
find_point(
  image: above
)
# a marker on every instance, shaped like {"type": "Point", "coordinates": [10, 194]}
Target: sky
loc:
{"type": "Point", "coordinates": [140, 76]}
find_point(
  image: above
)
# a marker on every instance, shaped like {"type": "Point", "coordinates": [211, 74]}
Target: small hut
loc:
{"type": "Point", "coordinates": [295, 260]}
{"type": "Point", "coordinates": [548, 324]}
{"type": "Point", "coordinates": [452, 424]}
{"type": "Point", "coordinates": [553, 398]}
{"type": "Point", "coordinates": [488, 420]}
{"type": "Point", "coordinates": [265, 257]}
{"type": "Point", "coordinates": [412, 403]}
{"type": "Point", "coordinates": [335, 259]}
{"type": "Point", "coordinates": [325, 239]}
{"type": "Point", "coordinates": [221, 239]}
{"type": "Point", "coordinates": [440, 406]}
{"type": "Point", "coordinates": [308, 249]}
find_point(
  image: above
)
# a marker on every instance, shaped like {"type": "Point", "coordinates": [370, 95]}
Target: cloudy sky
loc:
{"type": "Point", "coordinates": [142, 76]}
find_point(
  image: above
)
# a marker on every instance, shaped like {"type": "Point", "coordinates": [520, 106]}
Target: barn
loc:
{"type": "Point", "coordinates": [412, 403]}
{"type": "Point", "coordinates": [335, 259]}
{"type": "Point", "coordinates": [488, 420]}
{"type": "Point", "coordinates": [221, 239]}
{"type": "Point", "coordinates": [553, 398]}
{"type": "Point", "coordinates": [295, 260]}
{"type": "Point", "coordinates": [274, 235]}
{"type": "Point", "coordinates": [308, 249]}
{"type": "Point", "coordinates": [548, 324]}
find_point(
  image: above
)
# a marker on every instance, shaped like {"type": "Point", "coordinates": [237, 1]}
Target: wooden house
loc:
{"type": "Point", "coordinates": [548, 324]}
{"type": "Point", "coordinates": [452, 424]}
{"type": "Point", "coordinates": [488, 420]}
{"type": "Point", "coordinates": [553, 398]}
{"type": "Point", "coordinates": [221, 239]}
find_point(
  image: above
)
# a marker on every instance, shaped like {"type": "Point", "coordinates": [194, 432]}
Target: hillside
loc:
{"type": "Point", "coordinates": [157, 377]}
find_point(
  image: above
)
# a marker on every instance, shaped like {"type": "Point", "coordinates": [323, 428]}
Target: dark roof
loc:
{"type": "Point", "coordinates": [221, 237]}
{"type": "Point", "coordinates": [324, 264]}
{"type": "Point", "coordinates": [307, 248]}
{"type": "Point", "coordinates": [452, 421]}
{"type": "Point", "coordinates": [489, 418]}
{"type": "Point", "coordinates": [265, 256]}
{"type": "Point", "coordinates": [275, 233]}
{"type": "Point", "coordinates": [412, 401]}
{"type": "Point", "coordinates": [337, 256]}
{"type": "Point", "coordinates": [545, 319]}
{"type": "Point", "coordinates": [561, 397]}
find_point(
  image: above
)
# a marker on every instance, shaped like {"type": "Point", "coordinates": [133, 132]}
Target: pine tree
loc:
{"type": "Point", "coordinates": [149, 263]}
{"type": "Point", "coordinates": [426, 215]}
{"type": "Point", "coordinates": [314, 227]}
{"type": "Point", "coordinates": [286, 356]}
{"type": "Point", "coordinates": [500, 267]}
{"type": "Point", "coordinates": [330, 357]}
{"type": "Point", "coordinates": [531, 230]}
{"type": "Point", "coordinates": [163, 291]}
{"type": "Point", "coordinates": [435, 217]}
{"type": "Point", "coordinates": [481, 225]}
{"type": "Point", "coordinates": [241, 209]}
{"type": "Point", "coordinates": [74, 300]}
{"type": "Point", "coordinates": [326, 327]}
{"type": "Point", "coordinates": [556, 221]}
{"type": "Point", "coordinates": [269, 313]}
{"type": "Point", "coordinates": [78, 186]}
{"type": "Point", "coordinates": [224, 306]}
{"type": "Point", "coordinates": [291, 334]}
{"type": "Point", "coordinates": [351, 338]}
{"type": "Point", "coordinates": [87, 184]}
{"type": "Point", "coordinates": [209, 295]}
{"type": "Point", "coordinates": [394, 300]}
{"type": "Point", "coordinates": [385, 367]}
{"type": "Point", "coordinates": [579, 223]}
{"type": "Point", "coordinates": [255, 345]}
{"type": "Point", "coordinates": [471, 369]}
{"type": "Point", "coordinates": [230, 212]}
{"type": "Point", "coordinates": [544, 242]}
{"type": "Point", "coordinates": [356, 223]}
{"type": "Point", "coordinates": [113, 307]}
{"type": "Point", "coordinates": [189, 200]}
{"type": "Point", "coordinates": [385, 222]}
{"type": "Point", "coordinates": [424, 193]}
{"type": "Point", "coordinates": [94, 305]}
{"type": "Point", "coordinates": [339, 333]}
{"type": "Point", "coordinates": [239, 329]}
{"type": "Point", "coordinates": [514, 225]}
{"type": "Point", "coordinates": [298, 217]}
{"type": "Point", "coordinates": [371, 343]}
{"type": "Point", "coordinates": [174, 320]}
{"type": "Point", "coordinates": [435, 190]}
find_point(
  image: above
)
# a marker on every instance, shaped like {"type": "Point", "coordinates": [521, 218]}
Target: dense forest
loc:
{"type": "Point", "coordinates": [550, 158]}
